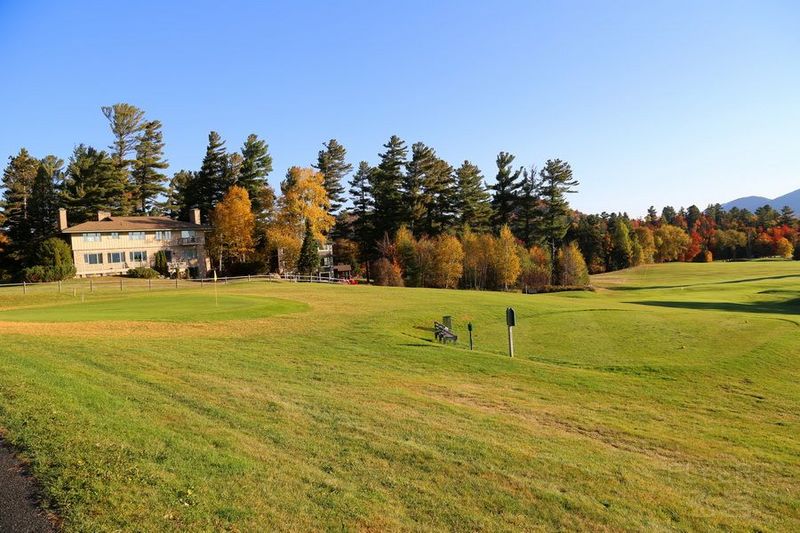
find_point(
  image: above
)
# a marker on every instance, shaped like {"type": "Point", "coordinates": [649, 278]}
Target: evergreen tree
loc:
{"type": "Point", "coordinates": [212, 179]}
{"type": "Point", "coordinates": [181, 195]}
{"type": "Point", "coordinates": [256, 166]}
{"type": "Point", "coordinates": [504, 199]}
{"type": "Point", "coordinates": [308, 263]}
{"type": "Point", "coordinates": [621, 246]}
{"type": "Point", "coordinates": [440, 195]}
{"type": "Point", "coordinates": [668, 215]}
{"type": "Point", "coordinates": [415, 202]}
{"type": "Point", "coordinates": [529, 208]}
{"type": "Point", "coordinates": [556, 183]}
{"type": "Point", "coordinates": [18, 182]}
{"type": "Point", "coordinates": [652, 216]}
{"type": "Point", "coordinates": [126, 121]}
{"type": "Point", "coordinates": [473, 201]}
{"type": "Point", "coordinates": [386, 183]}
{"type": "Point", "coordinates": [787, 217]}
{"type": "Point", "coordinates": [363, 205]}
{"type": "Point", "coordinates": [92, 184]}
{"type": "Point", "coordinates": [44, 199]}
{"type": "Point", "coordinates": [333, 166]}
{"type": "Point", "coordinates": [147, 182]}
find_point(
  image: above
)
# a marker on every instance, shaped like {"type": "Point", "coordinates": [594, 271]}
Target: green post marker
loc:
{"type": "Point", "coordinates": [469, 328]}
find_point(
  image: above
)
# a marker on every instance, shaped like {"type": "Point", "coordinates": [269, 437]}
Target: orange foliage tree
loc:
{"type": "Point", "coordinates": [233, 224]}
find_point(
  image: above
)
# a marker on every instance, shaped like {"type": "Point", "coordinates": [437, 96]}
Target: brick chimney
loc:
{"type": "Point", "coordinates": [62, 219]}
{"type": "Point", "coordinates": [102, 215]}
{"type": "Point", "coordinates": [194, 216]}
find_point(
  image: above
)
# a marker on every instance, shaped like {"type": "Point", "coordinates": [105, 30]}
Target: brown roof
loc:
{"type": "Point", "coordinates": [133, 224]}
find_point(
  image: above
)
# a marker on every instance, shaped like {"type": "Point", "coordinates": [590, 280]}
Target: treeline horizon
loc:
{"type": "Point", "coordinates": [360, 208]}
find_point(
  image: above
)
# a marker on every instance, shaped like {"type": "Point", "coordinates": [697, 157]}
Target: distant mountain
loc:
{"type": "Point", "coordinates": [751, 203]}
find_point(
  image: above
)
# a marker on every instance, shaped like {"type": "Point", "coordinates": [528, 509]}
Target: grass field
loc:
{"type": "Point", "coordinates": [668, 399]}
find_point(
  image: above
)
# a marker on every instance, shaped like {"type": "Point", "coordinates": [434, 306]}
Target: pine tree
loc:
{"type": "Point", "coordinates": [415, 203]}
{"type": "Point", "coordinates": [363, 205]}
{"type": "Point", "coordinates": [504, 199]}
{"type": "Point", "coordinates": [18, 182]}
{"type": "Point", "coordinates": [308, 262]}
{"type": "Point", "coordinates": [440, 194]}
{"type": "Point", "coordinates": [212, 179]}
{"type": "Point", "coordinates": [622, 249]}
{"type": "Point", "coordinates": [556, 183]}
{"type": "Point", "coordinates": [386, 182]}
{"type": "Point", "coordinates": [92, 184]}
{"type": "Point", "coordinates": [529, 210]}
{"type": "Point", "coordinates": [333, 166]}
{"type": "Point", "coordinates": [181, 195]}
{"type": "Point", "coordinates": [44, 199]}
{"type": "Point", "coordinates": [474, 207]}
{"type": "Point", "coordinates": [126, 121]}
{"type": "Point", "coordinates": [147, 182]}
{"type": "Point", "coordinates": [256, 166]}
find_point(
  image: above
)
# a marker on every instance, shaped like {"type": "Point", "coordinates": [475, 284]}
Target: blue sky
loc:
{"type": "Point", "coordinates": [651, 102]}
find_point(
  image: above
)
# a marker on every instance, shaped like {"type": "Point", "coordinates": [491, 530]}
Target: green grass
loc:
{"type": "Point", "coordinates": [668, 399]}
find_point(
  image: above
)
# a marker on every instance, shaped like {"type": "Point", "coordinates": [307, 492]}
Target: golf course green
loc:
{"type": "Point", "coordinates": [666, 399]}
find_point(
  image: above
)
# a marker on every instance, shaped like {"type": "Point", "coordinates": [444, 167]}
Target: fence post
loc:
{"type": "Point", "coordinates": [120, 284]}
{"type": "Point", "coordinates": [149, 284]}
{"type": "Point", "coordinates": [24, 288]}
{"type": "Point", "coordinates": [201, 283]}
{"type": "Point", "coordinates": [59, 286]}
{"type": "Point", "coordinates": [91, 285]}
{"type": "Point", "coordinates": [248, 277]}
{"type": "Point", "coordinates": [176, 280]}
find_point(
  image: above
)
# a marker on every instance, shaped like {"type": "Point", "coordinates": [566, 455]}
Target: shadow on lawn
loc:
{"type": "Point", "coordinates": [785, 307]}
{"type": "Point", "coordinates": [728, 282]}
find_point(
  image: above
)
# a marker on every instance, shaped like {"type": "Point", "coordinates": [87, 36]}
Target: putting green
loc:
{"type": "Point", "coordinates": [158, 307]}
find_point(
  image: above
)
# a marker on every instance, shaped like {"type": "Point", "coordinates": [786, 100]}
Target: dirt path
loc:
{"type": "Point", "coordinates": [19, 512]}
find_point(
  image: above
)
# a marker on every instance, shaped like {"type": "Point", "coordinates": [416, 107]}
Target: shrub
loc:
{"type": "Point", "coordinates": [160, 263]}
{"type": "Point", "coordinates": [704, 257]}
{"type": "Point", "coordinates": [54, 260]}
{"type": "Point", "coordinates": [143, 273]}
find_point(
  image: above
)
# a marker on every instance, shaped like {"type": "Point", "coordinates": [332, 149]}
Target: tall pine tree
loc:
{"type": "Point", "coordinates": [386, 183]}
{"type": "Point", "coordinates": [415, 204]}
{"type": "Point", "coordinates": [332, 164]}
{"type": "Point", "coordinates": [504, 199]}
{"type": "Point", "coordinates": [363, 206]}
{"type": "Point", "coordinates": [529, 208]}
{"type": "Point", "coordinates": [44, 200]}
{"type": "Point", "coordinates": [126, 121]}
{"type": "Point", "coordinates": [473, 201]}
{"type": "Point", "coordinates": [256, 166]}
{"type": "Point", "coordinates": [147, 180]}
{"type": "Point", "coordinates": [212, 179]}
{"type": "Point", "coordinates": [440, 195]}
{"type": "Point", "coordinates": [18, 181]}
{"type": "Point", "coordinates": [92, 184]}
{"type": "Point", "coordinates": [556, 183]}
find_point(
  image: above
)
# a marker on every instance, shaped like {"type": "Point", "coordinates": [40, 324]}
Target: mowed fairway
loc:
{"type": "Point", "coordinates": [668, 399]}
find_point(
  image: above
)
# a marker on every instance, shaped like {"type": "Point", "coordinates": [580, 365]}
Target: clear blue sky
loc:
{"type": "Point", "coordinates": [651, 102]}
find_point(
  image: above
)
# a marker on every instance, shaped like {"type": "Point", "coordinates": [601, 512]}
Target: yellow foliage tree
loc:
{"type": "Point", "coordinates": [448, 263]}
{"type": "Point", "coordinates": [233, 224]}
{"type": "Point", "coordinates": [506, 262]}
{"type": "Point", "coordinates": [286, 244]}
{"type": "Point", "coordinates": [784, 248]}
{"type": "Point", "coordinates": [305, 199]}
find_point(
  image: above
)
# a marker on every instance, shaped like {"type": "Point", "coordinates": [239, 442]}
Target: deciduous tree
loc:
{"type": "Point", "coordinates": [233, 224]}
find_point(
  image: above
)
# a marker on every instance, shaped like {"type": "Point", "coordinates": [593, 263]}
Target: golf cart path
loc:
{"type": "Point", "coordinates": [19, 510]}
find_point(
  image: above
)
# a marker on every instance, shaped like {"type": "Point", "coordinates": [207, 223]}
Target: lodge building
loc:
{"type": "Point", "coordinates": [112, 245]}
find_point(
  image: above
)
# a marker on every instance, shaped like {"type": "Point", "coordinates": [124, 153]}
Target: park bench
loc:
{"type": "Point", "coordinates": [443, 333]}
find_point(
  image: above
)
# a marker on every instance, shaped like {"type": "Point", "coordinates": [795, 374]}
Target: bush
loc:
{"type": "Point", "coordinates": [143, 273]}
{"type": "Point", "coordinates": [160, 263]}
{"type": "Point", "coordinates": [387, 273]}
{"type": "Point", "coordinates": [558, 288]}
{"type": "Point", "coordinates": [704, 257]}
{"type": "Point", "coordinates": [247, 268]}
{"type": "Point", "coordinates": [54, 260]}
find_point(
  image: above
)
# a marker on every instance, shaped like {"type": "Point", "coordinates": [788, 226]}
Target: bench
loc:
{"type": "Point", "coordinates": [443, 333]}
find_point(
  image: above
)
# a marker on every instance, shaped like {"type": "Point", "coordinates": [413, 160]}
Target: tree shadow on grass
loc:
{"type": "Point", "coordinates": [701, 284]}
{"type": "Point", "coordinates": [785, 307]}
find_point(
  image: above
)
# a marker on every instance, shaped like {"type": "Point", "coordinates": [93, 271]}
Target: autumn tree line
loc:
{"type": "Point", "coordinates": [410, 219]}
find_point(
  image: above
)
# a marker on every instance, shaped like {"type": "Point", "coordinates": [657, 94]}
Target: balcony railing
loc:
{"type": "Point", "coordinates": [184, 241]}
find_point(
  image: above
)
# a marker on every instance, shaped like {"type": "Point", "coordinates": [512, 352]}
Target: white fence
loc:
{"type": "Point", "coordinates": [124, 284]}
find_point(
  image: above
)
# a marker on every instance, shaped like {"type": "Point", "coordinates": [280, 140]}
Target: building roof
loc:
{"type": "Point", "coordinates": [142, 223]}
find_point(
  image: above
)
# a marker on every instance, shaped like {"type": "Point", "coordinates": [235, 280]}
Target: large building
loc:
{"type": "Point", "coordinates": [112, 245]}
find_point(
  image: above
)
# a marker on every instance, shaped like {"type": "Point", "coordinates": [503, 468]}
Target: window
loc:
{"type": "Point", "coordinates": [136, 235]}
{"type": "Point", "coordinates": [93, 259]}
{"type": "Point", "coordinates": [168, 255]}
{"type": "Point", "coordinates": [191, 253]}
{"type": "Point", "coordinates": [91, 237]}
{"type": "Point", "coordinates": [163, 235]}
{"type": "Point", "coordinates": [116, 257]}
{"type": "Point", "coordinates": [138, 257]}
{"type": "Point", "coordinates": [187, 234]}
{"type": "Point", "coordinates": [115, 235]}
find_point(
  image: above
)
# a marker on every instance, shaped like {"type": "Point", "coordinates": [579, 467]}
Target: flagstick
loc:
{"type": "Point", "coordinates": [216, 299]}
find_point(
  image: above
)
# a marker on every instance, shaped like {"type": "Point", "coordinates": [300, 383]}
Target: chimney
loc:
{"type": "Point", "coordinates": [62, 219]}
{"type": "Point", "coordinates": [102, 215]}
{"type": "Point", "coordinates": [194, 216]}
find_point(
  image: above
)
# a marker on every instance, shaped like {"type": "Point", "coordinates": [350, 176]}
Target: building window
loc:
{"type": "Point", "coordinates": [115, 235]}
{"type": "Point", "coordinates": [168, 255]}
{"type": "Point", "coordinates": [138, 257]}
{"type": "Point", "coordinates": [163, 235]}
{"type": "Point", "coordinates": [91, 237]}
{"type": "Point", "coordinates": [187, 234]}
{"type": "Point", "coordinates": [93, 259]}
{"type": "Point", "coordinates": [136, 235]}
{"type": "Point", "coordinates": [116, 257]}
{"type": "Point", "coordinates": [191, 253]}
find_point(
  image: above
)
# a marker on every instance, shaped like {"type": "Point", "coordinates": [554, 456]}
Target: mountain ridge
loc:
{"type": "Point", "coordinates": [751, 203]}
